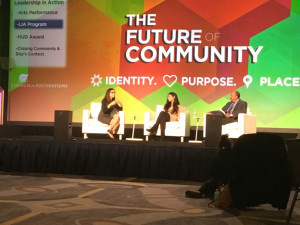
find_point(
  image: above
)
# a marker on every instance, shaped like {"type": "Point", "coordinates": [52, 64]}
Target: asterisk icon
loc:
{"type": "Point", "coordinates": [96, 80]}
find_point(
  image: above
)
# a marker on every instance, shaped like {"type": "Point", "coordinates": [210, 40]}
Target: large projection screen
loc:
{"type": "Point", "coordinates": [68, 53]}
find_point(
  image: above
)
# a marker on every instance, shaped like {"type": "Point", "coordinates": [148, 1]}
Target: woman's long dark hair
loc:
{"type": "Point", "coordinates": [107, 95]}
{"type": "Point", "coordinates": [175, 103]}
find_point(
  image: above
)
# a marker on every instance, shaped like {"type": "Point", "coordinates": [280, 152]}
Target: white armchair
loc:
{"type": "Point", "coordinates": [246, 124]}
{"type": "Point", "coordinates": [91, 125]}
{"type": "Point", "coordinates": [179, 128]}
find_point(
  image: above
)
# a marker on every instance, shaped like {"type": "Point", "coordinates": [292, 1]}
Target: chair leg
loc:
{"type": "Point", "coordinates": [292, 206]}
{"type": "Point", "coordinates": [85, 136]}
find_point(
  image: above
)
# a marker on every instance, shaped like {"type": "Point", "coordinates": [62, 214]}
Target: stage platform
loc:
{"type": "Point", "coordinates": [104, 157]}
{"type": "Point", "coordinates": [28, 148]}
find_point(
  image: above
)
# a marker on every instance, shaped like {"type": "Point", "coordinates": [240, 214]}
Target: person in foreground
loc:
{"type": "Point", "coordinates": [221, 171]}
{"type": "Point", "coordinates": [109, 113]}
{"type": "Point", "coordinates": [171, 112]}
{"type": "Point", "coordinates": [232, 109]}
{"type": "Point", "coordinates": [255, 171]}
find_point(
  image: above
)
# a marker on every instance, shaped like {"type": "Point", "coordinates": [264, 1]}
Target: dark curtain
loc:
{"type": "Point", "coordinates": [122, 159]}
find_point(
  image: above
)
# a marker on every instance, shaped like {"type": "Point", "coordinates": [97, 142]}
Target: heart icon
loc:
{"type": "Point", "coordinates": [170, 78]}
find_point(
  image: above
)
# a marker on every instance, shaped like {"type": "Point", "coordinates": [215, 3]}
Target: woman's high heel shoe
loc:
{"type": "Point", "coordinates": [110, 134]}
{"type": "Point", "coordinates": [151, 131]}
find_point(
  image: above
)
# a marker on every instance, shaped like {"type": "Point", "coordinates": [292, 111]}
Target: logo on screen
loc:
{"type": "Point", "coordinates": [23, 78]}
{"type": "Point", "coordinates": [247, 80]}
{"type": "Point", "coordinates": [96, 80]}
{"type": "Point", "coordinates": [170, 79]}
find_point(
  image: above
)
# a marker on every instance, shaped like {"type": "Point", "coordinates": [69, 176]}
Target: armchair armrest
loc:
{"type": "Point", "coordinates": [247, 123]}
{"type": "Point", "coordinates": [122, 122]}
{"type": "Point", "coordinates": [204, 125]}
{"type": "Point", "coordinates": [85, 119]}
{"type": "Point", "coordinates": [146, 118]}
{"type": "Point", "coordinates": [149, 120]}
{"type": "Point", "coordinates": [184, 123]}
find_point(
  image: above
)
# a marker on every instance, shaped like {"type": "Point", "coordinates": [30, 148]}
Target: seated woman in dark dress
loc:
{"type": "Point", "coordinates": [109, 113]}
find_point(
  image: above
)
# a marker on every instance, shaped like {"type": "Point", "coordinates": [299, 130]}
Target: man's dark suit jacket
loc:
{"type": "Point", "coordinates": [241, 107]}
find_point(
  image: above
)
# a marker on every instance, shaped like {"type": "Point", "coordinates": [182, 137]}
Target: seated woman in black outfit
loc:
{"type": "Point", "coordinates": [109, 113]}
{"type": "Point", "coordinates": [171, 112]}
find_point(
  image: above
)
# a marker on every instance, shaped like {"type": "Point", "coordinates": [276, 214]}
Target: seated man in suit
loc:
{"type": "Point", "coordinates": [231, 110]}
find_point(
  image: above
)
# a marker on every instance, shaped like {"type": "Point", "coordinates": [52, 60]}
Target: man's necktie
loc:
{"type": "Point", "coordinates": [230, 109]}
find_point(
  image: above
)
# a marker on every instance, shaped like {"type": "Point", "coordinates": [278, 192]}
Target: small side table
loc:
{"type": "Point", "coordinates": [133, 128]}
{"type": "Point", "coordinates": [196, 135]}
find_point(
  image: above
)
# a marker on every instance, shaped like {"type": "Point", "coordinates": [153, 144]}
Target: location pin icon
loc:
{"type": "Point", "coordinates": [247, 80]}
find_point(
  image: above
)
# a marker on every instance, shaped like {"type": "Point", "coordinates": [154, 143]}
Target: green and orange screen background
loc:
{"type": "Point", "coordinates": [94, 49]}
